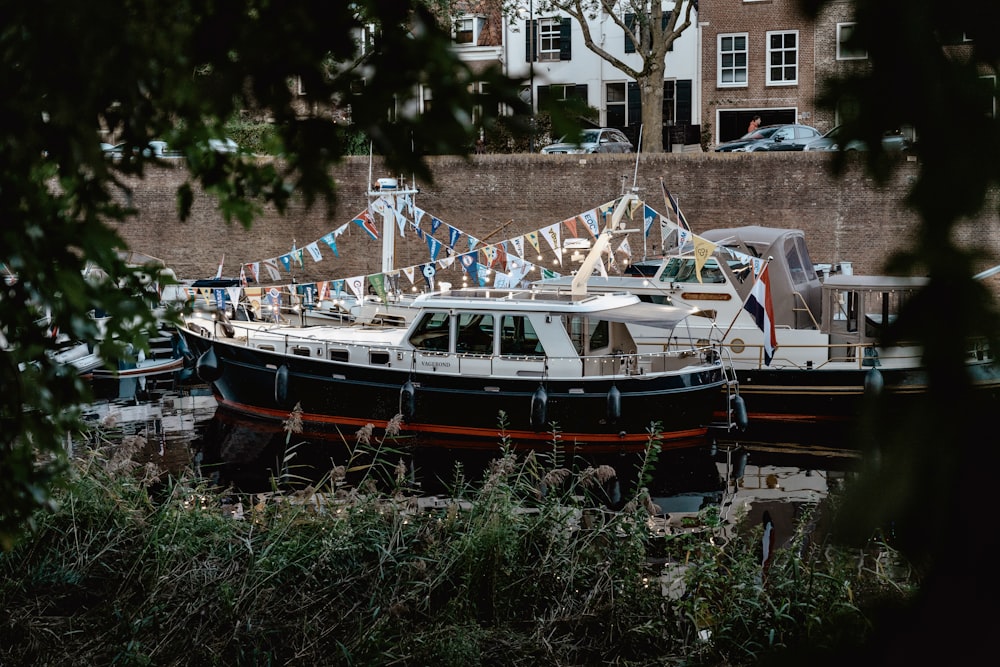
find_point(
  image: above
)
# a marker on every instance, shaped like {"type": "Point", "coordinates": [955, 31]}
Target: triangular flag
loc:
{"type": "Point", "coordinates": [453, 236]}
{"type": "Point", "coordinates": [271, 265]}
{"type": "Point", "coordinates": [364, 221]}
{"type": "Point", "coordinates": [357, 285]}
{"type": "Point", "coordinates": [377, 281]}
{"type": "Point", "coordinates": [590, 219]}
{"type": "Point", "coordinates": [408, 272]}
{"type": "Point", "coordinates": [570, 226]}
{"type": "Point", "coordinates": [533, 240]}
{"type": "Point", "coordinates": [313, 249]}
{"type": "Point", "coordinates": [703, 249]}
{"type": "Point", "coordinates": [332, 242]}
{"type": "Point", "coordinates": [434, 246]}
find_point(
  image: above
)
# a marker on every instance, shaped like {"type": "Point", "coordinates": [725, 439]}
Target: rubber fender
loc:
{"type": "Point", "coordinates": [180, 347]}
{"type": "Point", "coordinates": [281, 385]}
{"type": "Point", "coordinates": [740, 464]}
{"type": "Point", "coordinates": [408, 401]}
{"type": "Point", "coordinates": [739, 412]}
{"type": "Point", "coordinates": [874, 382]}
{"type": "Point", "coordinates": [208, 367]}
{"type": "Point", "coordinates": [614, 405]}
{"type": "Point", "coordinates": [539, 408]}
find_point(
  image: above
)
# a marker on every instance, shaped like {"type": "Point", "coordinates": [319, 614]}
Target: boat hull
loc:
{"type": "Point", "coordinates": [599, 414]}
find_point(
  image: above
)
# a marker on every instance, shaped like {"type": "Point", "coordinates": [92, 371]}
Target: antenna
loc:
{"type": "Point", "coordinates": [371, 150]}
{"type": "Point", "coordinates": [635, 176]}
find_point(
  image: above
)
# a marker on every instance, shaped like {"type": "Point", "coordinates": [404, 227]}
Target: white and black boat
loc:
{"type": "Point", "coordinates": [828, 325]}
{"type": "Point", "coordinates": [546, 361]}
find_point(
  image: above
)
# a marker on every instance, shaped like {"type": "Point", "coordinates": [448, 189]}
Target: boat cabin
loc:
{"type": "Point", "coordinates": [857, 309]}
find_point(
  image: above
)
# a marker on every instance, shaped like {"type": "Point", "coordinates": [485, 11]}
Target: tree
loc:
{"type": "Point", "coordinates": [652, 30]}
{"type": "Point", "coordinates": [934, 69]}
{"type": "Point", "coordinates": [144, 70]}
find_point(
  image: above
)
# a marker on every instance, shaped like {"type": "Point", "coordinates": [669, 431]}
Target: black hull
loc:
{"type": "Point", "coordinates": [837, 398]}
{"type": "Point", "coordinates": [464, 411]}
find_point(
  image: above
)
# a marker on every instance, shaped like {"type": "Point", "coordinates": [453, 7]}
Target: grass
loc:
{"type": "Point", "coordinates": [520, 567]}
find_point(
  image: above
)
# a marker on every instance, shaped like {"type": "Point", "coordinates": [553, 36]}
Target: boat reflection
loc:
{"type": "Point", "coordinates": [256, 456]}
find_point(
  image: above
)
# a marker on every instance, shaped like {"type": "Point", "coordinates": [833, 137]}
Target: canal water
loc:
{"type": "Point", "coordinates": [186, 431]}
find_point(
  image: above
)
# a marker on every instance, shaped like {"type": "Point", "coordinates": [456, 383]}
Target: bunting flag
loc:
{"type": "Point", "coordinates": [435, 224]}
{"type": "Point", "coordinates": [428, 271]}
{"type": "Point", "coordinates": [377, 281]}
{"type": "Point", "coordinates": [218, 273]}
{"type": "Point", "coordinates": [330, 241]}
{"type": "Point", "coordinates": [322, 291]}
{"type": "Point", "coordinates": [468, 261]}
{"type": "Point", "coordinates": [549, 273]}
{"type": "Point", "coordinates": [503, 281]}
{"type": "Point", "coordinates": [483, 275]}
{"type": "Point", "coordinates": [472, 241]}
{"type": "Point", "coordinates": [233, 293]}
{"type": "Point", "coordinates": [401, 222]}
{"type": "Point", "coordinates": [703, 249]}
{"type": "Point", "coordinates": [418, 214]}
{"type": "Point", "coordinates": [408, 272]}
{"type": "Point", "coordinates": [340, 230]}
{"type": "Point", "coordinates": [255, 271]}
{"type": "Point", "coordinates": [243, 276]}
{"type": "Point", "coordinates": [313, 249]}
{"type": "Point", "coordinates": [590, 219]}
{"type": "Point", "coordinates": [500, 262]}
{"type": "Point", "coordinates": [489, 254]}
{"type": "Point", "coordinates": [365, 222]}
{"type": "Point", "coordinates": [570, 226]}
{"type": "Point", "coordinates": [337, 288]}
{"type": "Point", "coordinates": [271, 265]}
{"type": "Point", "coordinates": [307, 295]}
{"type": "Point", "coordinates": [648, 216]}
{"type": "Point", "coordinates": [760, 306]}
{"type": "Point", "coordinates": [434, 246]}
{"type": "Point", "coordinates": [286, 261]}
{"type": "Point", "coordinates": [453, 236]}
{"type": "Point", "coordinates": [357, 286]}
{"type": "Point", "coordinates": [297, 255]}
{"type": "Point", "coordinates": [626, 250]}
{"type": "Point", "coordinates": [448, 260]}
{"type": "Point", "coordinates": [274, 298]}
{"type": "Point", "coordinates": [518, 243]}
{"type": "Point", "coordinates": [551, 235]}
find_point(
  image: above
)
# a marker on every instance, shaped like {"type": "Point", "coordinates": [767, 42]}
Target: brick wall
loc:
{"type": "Point", "coordinates": [496, 197]}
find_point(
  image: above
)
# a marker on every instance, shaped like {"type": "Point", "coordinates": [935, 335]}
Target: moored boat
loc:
{"type": "Point", "coordinates": [474, 363]}
{"type": "Point", "coordinates": [829, 351]}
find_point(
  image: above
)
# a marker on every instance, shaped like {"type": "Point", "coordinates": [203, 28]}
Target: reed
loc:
{"type": "Point", "coordinates": [519, 567]}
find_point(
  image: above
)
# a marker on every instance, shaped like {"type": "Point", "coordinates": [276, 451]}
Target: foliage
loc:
{"type": "Point", "coordinates": [139, 569]}
{"type": "Point", "coordinates": [140, 73]}
{"type": "Point", "coordinates": [935, 72]}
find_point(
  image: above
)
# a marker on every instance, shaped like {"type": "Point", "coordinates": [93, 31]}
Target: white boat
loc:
{"type": "Point", "coordinates": [828, 329]}
{"type": "Point", "coordinates": [536, 360]}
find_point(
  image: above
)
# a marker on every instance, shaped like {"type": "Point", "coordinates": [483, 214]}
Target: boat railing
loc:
{"type": "Point", "coordinates": [801, 306]}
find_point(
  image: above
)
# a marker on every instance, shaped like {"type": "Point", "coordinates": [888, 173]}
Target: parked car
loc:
{"type": "Point", "coordinates": [600, 140]}
{"type": "Point", "coordinates": [160, 149]}
{"type": "Point", "coordinates": [891, 141]}
{"type": "Point", "coordinates": [789, 137]}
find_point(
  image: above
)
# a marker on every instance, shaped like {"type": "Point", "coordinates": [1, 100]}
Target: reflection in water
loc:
{"type": "Point", "coordinates": [256, 456]}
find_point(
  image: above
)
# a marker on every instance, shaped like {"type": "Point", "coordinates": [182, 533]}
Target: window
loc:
{"type": "Point", "coordinates": [733, 60]}
{"type": "Point", "coordinates": [468, 29]}
{"type": "Point", "coordinates": [615, 103]}
{"type": "Point", "coordinates": [548, 40]}
{"type": "Point", "coordinates": [425, 99]}
{"type": "Point", "coordinates": [561, 92]}
{"type": "Point", "coordinates": [783, 58]}
{"type": "Point", "coordinates": [475, 333]}
{"type": "Point", "coordinates": [846, 50]}
{"type": "Point", "coordinates": [518, 337]}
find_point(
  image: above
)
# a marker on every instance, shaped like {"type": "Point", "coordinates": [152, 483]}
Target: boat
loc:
{"type": "Point", "coordinates": [474, 366]}
{"type": "Point", "coordinates": [827, 321]}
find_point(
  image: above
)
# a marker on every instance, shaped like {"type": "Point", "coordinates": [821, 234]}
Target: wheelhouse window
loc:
{"type": "Point", "coordinates": [845, 49]}
{"type": "Point", "coordinates": [432, 332]}
{"type": "Point", "coordinates": [732, 60]}
{"type": "Point", "coordinates": [782, 58]}
{"type": "Point", "coordinates": [475, 333]}
{"type": "Point", "coordinates": [518, 337]}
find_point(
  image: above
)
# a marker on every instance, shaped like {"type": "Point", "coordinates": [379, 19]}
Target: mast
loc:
{"type": "Point", "coordinates": [582, 277]}
{"type": "Point", "coordinates": [387, 198]}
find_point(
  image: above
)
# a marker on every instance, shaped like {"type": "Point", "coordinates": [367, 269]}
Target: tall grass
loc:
{"type": "Point", "coordinates": [520, 567]}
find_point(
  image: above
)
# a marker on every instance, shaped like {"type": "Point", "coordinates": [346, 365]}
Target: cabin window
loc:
{"type": "Point", "coordinates": [475, 333]}
{"type": "Point", "coordinates": [518, 337]}
{"type": "Point", "coordinates": [587, 335]}
{"type": "Point", "coordinates": [683, 270]}
{"type": "Point", "coordinates": [380, 358]}
{"type": "Point", "coordinates": [800, 266]}
{"type": "Point", "coordinates": [299, 351]}
{"type": "Point", "coordinates": [432, 332]}
{"type": "Point", "coordinates": [339, 355]}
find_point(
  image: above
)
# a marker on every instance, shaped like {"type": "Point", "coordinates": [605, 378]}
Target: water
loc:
{"type": "Point", "coordinates": [740, 474]}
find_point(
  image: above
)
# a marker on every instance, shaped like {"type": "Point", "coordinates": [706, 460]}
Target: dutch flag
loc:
{"type": "Point", "coordinates": [759, 305]}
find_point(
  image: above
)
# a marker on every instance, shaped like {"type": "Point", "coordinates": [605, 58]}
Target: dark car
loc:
{"type": "Point", "coordinates": [769, 138]}
{"type": "Point", "coordinates": [831, 141]}
{"type": "Point", "coordinates": [599, 140]}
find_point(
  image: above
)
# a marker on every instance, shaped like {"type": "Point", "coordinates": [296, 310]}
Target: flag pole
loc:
{"type": "Point", "coordinates": [743, 307]}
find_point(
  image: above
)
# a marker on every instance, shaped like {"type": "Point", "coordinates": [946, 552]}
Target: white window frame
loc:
{"type": "Point", "coordinates": [770, 52]}
{"type": "Point", "coordinates": [475, 22]}
{"type": "Point", "coordinates": [547, 34]}
{"type": "Point", "coordinates": [734, 69]}
{"type": "Point", "coordinates": [843, 33]}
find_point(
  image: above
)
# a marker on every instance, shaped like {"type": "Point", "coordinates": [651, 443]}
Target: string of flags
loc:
{"type": "Point", "coordinates": [506, 261]}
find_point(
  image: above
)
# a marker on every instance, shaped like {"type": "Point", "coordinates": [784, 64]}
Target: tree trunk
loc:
{"type": "Point", "coordinates": [651, 92]}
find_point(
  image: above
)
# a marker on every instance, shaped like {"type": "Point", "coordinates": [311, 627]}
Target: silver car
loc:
{"type": "Point", "coordinates": [601, 140]}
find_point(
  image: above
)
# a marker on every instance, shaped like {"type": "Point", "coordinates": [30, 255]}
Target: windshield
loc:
{"type": "Point", "coordinates": [762, 133]}
{"type": "Point", "coordinates": [586, 137]}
